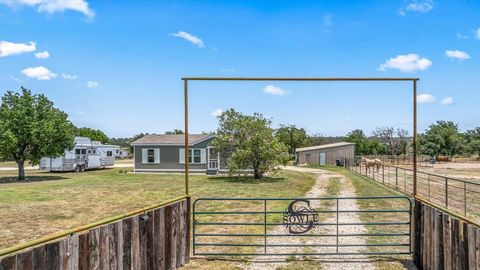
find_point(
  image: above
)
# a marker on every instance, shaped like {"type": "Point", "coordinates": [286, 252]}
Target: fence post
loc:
{"type": "Point", "coordinates": [465, 198]}
{"type": "Point", "coordinates": [337, 222]}
{"type": "Point", "coordinates": [383, 174]}
{"type": "Point", "coordinates": [446, 192]}
{"type": "Point", "coordinates": [265, 226]}
{"type": "Point", "coordinates": [396, 177]}
{"type": "Point", "coordinates": [428, 181]}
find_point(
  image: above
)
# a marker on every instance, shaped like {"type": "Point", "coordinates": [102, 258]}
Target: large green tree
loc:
{"type": "Point", "coordinates": [473, 141]}
{"type": "Point", "coordinates": [93, 134]}
{"type": "Point", "coordinates": [441, 138]}
{"type": "Point", "coordinates": [365, 145]}
{"type": "Point", "coordinates": [292, 137]}
{"type": "Point", "coordinates": [358, 137]}
{"type": "Point", "coordinates": [134, 138]}
{"type": "Point", "coordinates": [32, 128]}
{"type": "Point", "coordinates": [247, 142]}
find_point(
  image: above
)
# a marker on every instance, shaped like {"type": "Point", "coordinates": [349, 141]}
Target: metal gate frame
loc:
{"type": "Point", "coordinates": [337, 211]}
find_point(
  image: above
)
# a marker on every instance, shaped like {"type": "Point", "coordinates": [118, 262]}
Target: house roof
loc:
{"type": "Point", "coordinates": [323, 146]}
{"type": "Point", "coordinates": [171, 139]}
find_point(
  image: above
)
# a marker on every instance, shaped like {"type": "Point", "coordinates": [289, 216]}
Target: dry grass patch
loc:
{"type": "Point", "coordinates": [52, 202]}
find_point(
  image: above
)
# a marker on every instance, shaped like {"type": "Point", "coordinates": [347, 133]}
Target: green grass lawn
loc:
{"type": "Point", "coordinates": [52, 202]}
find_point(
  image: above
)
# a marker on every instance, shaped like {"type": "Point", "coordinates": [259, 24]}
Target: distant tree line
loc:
{"type": "Point", "coordinates": [442, 138]}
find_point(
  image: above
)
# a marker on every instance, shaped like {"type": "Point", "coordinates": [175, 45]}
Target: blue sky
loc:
{"type": "Point", "coordinates": [116, 65]}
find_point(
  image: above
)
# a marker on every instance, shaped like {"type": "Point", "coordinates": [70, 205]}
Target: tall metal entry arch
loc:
{"type": "Point", "coordinates": [299, 220]}
{"type": "Point", "coordinates": [414, 81]}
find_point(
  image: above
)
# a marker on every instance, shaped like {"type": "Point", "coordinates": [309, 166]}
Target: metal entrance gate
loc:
{"type": "Point", "coordinates": [302, 226]}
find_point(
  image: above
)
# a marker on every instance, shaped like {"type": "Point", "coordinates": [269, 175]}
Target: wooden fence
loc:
{"type": "Point", "coordinates": [157, 239]}
{"type": "Point", "coordinates": [443, 241]}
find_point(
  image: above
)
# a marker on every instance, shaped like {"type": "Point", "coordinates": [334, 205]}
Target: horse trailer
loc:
{"type": "Point", "coordinates": [86, 155]}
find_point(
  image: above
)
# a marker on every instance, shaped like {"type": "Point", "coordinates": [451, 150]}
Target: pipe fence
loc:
{"type": "Point", "coordinates": [459, 196]}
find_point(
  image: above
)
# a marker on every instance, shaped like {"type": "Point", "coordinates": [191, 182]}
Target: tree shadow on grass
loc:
{"type": "Point", "coordinates": [30, 179]}
{"type": "Point", "coordinates": [247, 179]}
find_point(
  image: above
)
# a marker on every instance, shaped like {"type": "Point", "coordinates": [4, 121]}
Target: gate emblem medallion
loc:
{"type": "Point", "coordinates": [299, 217]}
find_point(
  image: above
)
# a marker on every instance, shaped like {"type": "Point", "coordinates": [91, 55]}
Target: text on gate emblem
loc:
{"type": "Point", "coordinates": [299, 217]}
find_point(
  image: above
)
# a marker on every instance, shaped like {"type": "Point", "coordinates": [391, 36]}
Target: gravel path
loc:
{"type": "Point", "coordinates": [332, 262]}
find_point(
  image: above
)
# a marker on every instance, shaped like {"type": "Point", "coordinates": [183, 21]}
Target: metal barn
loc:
{"type": "Point", "coordinates": [342, 153]}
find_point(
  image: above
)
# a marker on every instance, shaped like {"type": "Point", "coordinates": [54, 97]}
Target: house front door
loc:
{"type": "Point", "coordinates": [213, 159]}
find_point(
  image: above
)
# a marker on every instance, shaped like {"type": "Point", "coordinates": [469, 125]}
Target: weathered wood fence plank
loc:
{"type": "Point", "coordinates": [159, 243]}
{"type": "Point", "coordinates": [52, 256]}
{"type": "Point", "coordinates": [84, 253]}
{"type": "Point", "coordinates": [136, 260]}
{"type": "Point", "coordinates": [39, 258]}
{"type": "Point", "coordinates": [9, 263]}
{"type": "Point", "coordinates": [127, 243]}
{"type": "Point", "coordinates": [25, 261]}
{"type": "Point", "coordinates": [94, 249]}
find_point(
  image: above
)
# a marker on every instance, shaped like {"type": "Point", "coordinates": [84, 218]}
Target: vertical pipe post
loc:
{"type": "Point", "coordinates": [396, 177]}
{"type": "Point", "coordinates": [465, 198]}
{"type": "Point", "coordinates": [265, 226]}
{"type": "Point", "coordinates": [187, 165]}
{"type": "Point", "coordinates": [383, 174]}
{"type": "Point", "coordinates": [337, 222]}
{"type": "Point", "coordinates": [446, 192]}
{"type": "Point", "coordinates": [194, 223]}
{"type": "Point", "coordinates": [428, 181]}
{"type": "Point", "coordinates": [414, 138]}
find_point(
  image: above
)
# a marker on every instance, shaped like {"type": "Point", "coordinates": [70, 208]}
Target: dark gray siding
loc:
{"type": "Point", "coordinates": [169, 158]}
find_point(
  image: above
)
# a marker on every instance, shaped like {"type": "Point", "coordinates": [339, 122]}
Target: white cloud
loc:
{"type": "Point", "coordinates": [69, 77]}
{"type": "Point", "coordinates": [461, 36]}
{"type": "Point", "coordinates": [10, 48]}
{"type": "Point", "coordinates": [39, 73]}
{"type": "Point", "coordinates": [477, 33]}
{"type": "Point", "coordinates": [425, 98]}
{"type": "Point", "coordinates": [189, 37]}
{"type": "Point", "coordinates": [447, 101]}
{"type": "Point", "coordinates": [274, 90]}
{"type": "Point", "coordinates": [406, 63]}
{"type": "Point", "coordinates": [456, 54]}
{"type": "Point", "coordinates": [52, 6]}
{"type": "Point", "coordinates": [42, 55]}
{"type": "Point", "coordinates": [92, 84]}
{"type": "Point", "coordinates": [217, 112]}
{"type": "Point", "coordinates": [15, 79]}
{"type": "Point", "coordinates": [417, 6]}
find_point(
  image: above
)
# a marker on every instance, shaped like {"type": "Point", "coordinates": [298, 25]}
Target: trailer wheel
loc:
{"type": "Point", "coordinates": [77, 168]}
{"type": "Point", "coordinates": [82, 168]}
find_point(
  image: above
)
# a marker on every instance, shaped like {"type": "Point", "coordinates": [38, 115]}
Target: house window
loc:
{"type": "Point", "coordinates": [150, 156]}
{"type": "Point", "coordinates": [195, 156]}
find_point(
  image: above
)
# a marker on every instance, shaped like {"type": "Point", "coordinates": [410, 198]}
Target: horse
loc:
{"type": "Point", "coordinates": [376, 163]}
